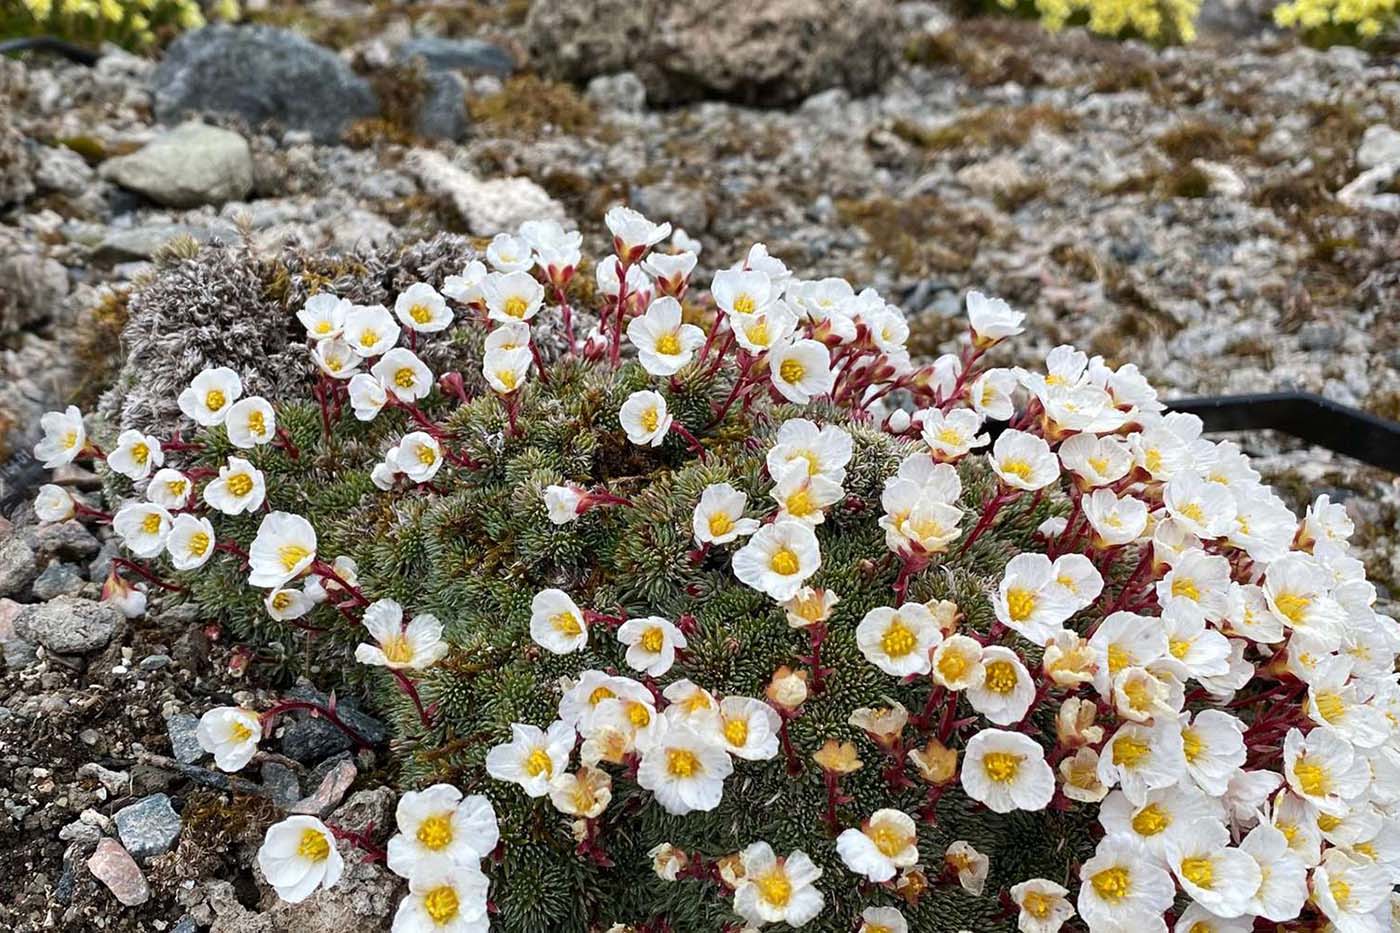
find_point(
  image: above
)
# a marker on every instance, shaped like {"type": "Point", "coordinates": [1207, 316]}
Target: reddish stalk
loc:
{"type": "Point", "coordinates": [147, 575]}
{"type": "Point", "coordinates": [327, 713]}
{"type": "Point", "coordinates": [360, 840]}
{"type": "Point", "coordinates": [411, 690]}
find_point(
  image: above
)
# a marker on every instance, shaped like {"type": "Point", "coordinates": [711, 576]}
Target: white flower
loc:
{"type": "Point", "coordinates": [422, 309]}
{"type": "Point", "coordinates": [1349, 891]}
{"type": "Point", "coordinates": [401, 372]}
{"type": "Point", "coordinates": [549, 234]}
{"type": "Point", "coordinates": [191, 541]}
{"type": "Point", "coordinates": [778, 559]}
{"type": "Point", "coordinates": [419, 456]}
{"type": "Point", "coordinates": [384, 474]}
{"type": "Point", "coordinates": [1324, 770]}
{"type": "Point", "coordinates": [1337, 704]}
{"type": "Point", "coordinates": [1004, 692]}
{"type": "Point", "coordinates": [1029, 601]}
{"type": "Point", "coordinates": [1115, 521]}
{"type": "Point", "coordinates": [684, 769]}
{"type": "Point", "coordinates": [398, 647]}
{"type": "Point", "coordinates": [1214, 746]}
{"type": "Point", "coordinates": [803, 497]}
{"type": "Point", "coordinates": [297, 856]}
{"type": "Point", "coordinates": [250, 422]}
{"type": "Point", "coordinates": [321, 588]}
{"type": "Point", "coordinates": [645, 419]}
{"type": "Point", "coordinates": [748, 727]}
{"type": "Point", "coordinates": [466, 287]}
{"type": "Point", "coordinates": [1196, 919]}
{"type": "Point", "coordinates": [1044, 906]}
{"type": "Point", "coordinates": [367, 396]}
{"type": "Point", "coordinates": [1327, 521]}
{"type": "Point", "coordinates": [801, 370]}
{"type": "Point", "coordinates": [513, 336]}
{"type": "Point", "coordinates": [135, 454]}
{"type": "Point", "coordinates": [825, 450]}
{"type": "Point", "coordinates": [125, 598]}
{"type": "Point", "coordinates": [763, 330]}
{"type": "Point", "coordinates": [1007, 771]}
{"type": "Point", "coordinates": [971, 866]}
{"type": "Point", "coordinates": [882, 920]}
{"type": "Point", "coordinates": [323, 316]}
{"type": "Point", "coordinates": [809, 605]}
{"type": "Point", "coordinates": [556, 624]}
{"type": "Point", "coordinates": [671, 270]}
{"type": "Point", "coordinates": [238, 488]}
{"type": "Point", "coordinates": [1219, 878]}
{"type": "Point", "coordinates": [505, 370]}
{"type": "Point", "coordinates": [1143, 758]}
{"type": "Point", "coordinates": [143, 527]}
{"type": "Point", "coordinates": [954, 434]}
{"type": "Point", "coordinates": [585, 793]}
{"type": "Point", "coordinates": [992, 319]}
{"type": "Point", "coordinates": [1296, 588]}
{"type": "Point", "coordinates": [740, 293]}
{"type": "Point", "coordinates": [990, 394]}
{"type": "Point", "coordinates": [638, 284]}
{"type": "Point", "coordinates": [1123, 640]}
{"type": "Point", "coordinates": [56, 504]}
{"type": "Point", "coordinates": [335, 358]}
{"type": "Point", "coordinates": [438, 824]}
{"type": "Point", "coordinates": [209, 395]}
{"type": "Point", "coordinates": [719, 516]}
{"type": "Point", "coordinates": [284, 546]}
{"type": "Point", "coordinates": [1199, 578]}
{"type": "Point", "coordinates": [285, 603]}
{"type": "Point", "coordinates": [884, 844]}
{"type": "Point", "coordinates": [667, 861]}
{"type": "Point", "coordinates": [632, 233]}
{"type": "Point", "coordinates": [957, 662]}
{"type": "Point", "coordinates": [899, 641]}
{"type": "Point", "coordinates": [1076, 578]}
{"type": "Point", "coordinates": [1095, 461]}
{"type": "Point", "coordinates": [533, 757]}
{"type": "Point", "coordinates": [231, 734]}
{"type": "Point", "coordinates": [1283, 890]}
{"type": "Point", "coordinates": [507, 253]}
{"type": "Point", "coordinates": [759, 258]}
{"type": "Point", "coordinates": [1165, 816]}
{"type": "Point", "coordinates": [1203, 508]}
{"type": "Point", "coordinates": [1121, 890]}
{"type": "Point", "coordinates": [1024, 461]}
{"type": "Point", "coordinates": [823, 300]}
{"type": "Point", "coordinates": [370, 330]}
{"type": "Point", "coordinates": [562, 503]}
{"type": "Point", "coordinates": [512, 296]}
{"type": "Point", "coordinates": [775, 890]}
{"type": "Point", "coordinates": [445, 897]}
{"type": "Point", "coordinates": [64, 437]}
{"type": "Point", "coordinates": [651, 644]}
{"type": "Point", "coordinates": [663, 343]}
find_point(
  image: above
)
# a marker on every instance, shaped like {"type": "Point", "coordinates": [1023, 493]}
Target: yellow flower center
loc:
{"type": "Point", "coordinates": [537, 763]}
{"type": "Point", "coordinates": [397, 649]}
{"type": "Point", "coordinates": [758, 334]}
{"type": "Point", "coordinates": [1129, 752]}
{"type": "Point", "coordinates": [1312, 777]}
{"type": "Point", "coordinates": [323, 327]}
{"type": "Point", "coordinates": [1020, 603]}
{"type": "Point", "coordinates": [1331, 706]}
{"type": "Point", "coordinates": [240, 484]}
{"type": "Point", "coordinates": [736, 731]}
{"type": "Point", "coordinates": [599, 695]}
{"type": "Point", "coordinates": [140, 453]}
{"type": "Point", "coordinates": [952, 665]}
{"type": "Point", "coordinates": [1326, 822]}
{"type": "Point", "coordinates": [1292, 606]}
{"type": "Point", "coordinates": [1199, 871]}
{"type": "Point", "coordinates": [151, 524]}
{"type": "Point", "coordinates": [420, 314]}
{"type": "Point", "coordinates": [1017, 468]}
{"type": "Point", "coordinates": [1002, 766]}
{"type": "Point", "coordinates": [435, 832]}
{"type": "Point", "coordinates": [1201, 926]}
{"type": "Point", "coordinates": [566, 623]}
{"type": "Point", "coordinates": [507, 378]}
{"type": "Point", "coordinates": [784, 561]}
{"type": "Point", "coordinates": [814, 464]}
{"type": "Point", "coordinates": [1153, 460]}
{"type": "Point", "coordinates": [668, 344]}
{"type": "Point", "coordinates": [335, 364]}
{"type": "Point", "coordinates": [1100, 464]}
{"type": "Point", "coordinates": [1151, 820]}
{"type": "Point", "coordinates": [800, 503]}
{"type": "Point", "coordinates": [257, 425]}
{"type": "Point", "coordinates": [1192, 744]}
{"type": "Point", "coordinates": [176, 487]}
{"type": "Point", "coordinates": [745, 304]}
{"type": "Point", "coordinates": [775, 888]}
{"type": "Point", "coordinates": [70, 440]}
{"type": "Point", "coordinates": [898, 641]}
{"type": "Point", "coordinates": [291, 555]}
{"type": "Point", "coordinates": [240, 732]}
{"type": "Point", "coordinates": [1000, 677]}
{"type": "Point", "coordinates": [441, 904]}
{"type": "Point", "coordinates": [1341, 892]}
{"type": "Point", "coordinates": [1112, 884]}
{"type": "Point", "coordinates": [792, 370]}
{"type": "Point", "coordinates": [1038, 905]}
{"type": "Point", "coordinates": [404, 378]}
{"type": "Point", "coordinates": [214, 400]}
{"type": "Point", "coordinates": [281, 600]}
{"type": "Point", "coordinates": [950, 436]}
{"type": "Point", "coordinates": [313, 845]}
{"type": "Point", "coordinates": [516, 306]}
{"type": "Point", "coordinates": [720, 524]}
{"type": "Point", "coordinates": [653, 639]}
{"type": "Point", "coordinates": [1179, 647]}
{"type": "Point", "coordinates": [426, 455]}
{"type": "Point", "coordinates": [1186, 587]}
{"type": "Point", "coordinates": [650, 419]}
{"type": "Point", "coordinates": [368, 337]}
{"type": "Point", "coordinates": [638, 715]}
{"type": "Point", "coordinates": [1193, 511]}
{"type": "Point", "coordinates": [682, 763]}
{"type": "Point", "coordinates": [1118, 658]}
{"type": "Point", "coordinates": [888, 840]}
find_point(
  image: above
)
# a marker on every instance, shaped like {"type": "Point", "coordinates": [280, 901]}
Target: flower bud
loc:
{"type": "Point", "coordinates": [788, 688]}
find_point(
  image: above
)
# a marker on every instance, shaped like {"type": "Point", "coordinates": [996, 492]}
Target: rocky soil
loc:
{"type": "Point", "coordinates": [1227, 216]}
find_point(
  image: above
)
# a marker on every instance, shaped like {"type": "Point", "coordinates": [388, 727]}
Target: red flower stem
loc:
{"type": "Point", "coordinates": [539, 362]}
{"type": "Point", "coordinates": [284, 440]}
{"type": "Point", "coordinates": [88, 511]}
{"type": "Point", "coordinates": [359, 840]}
{"type": "Point", "coordinates": [329, 571]}
{"type": "Point", "coordinates": [566, 312]}
{"type": "Point", "coordinates": [989, 514]}
{"type": "Point", "coordinates": [147, 575]}
{"type": "Point", "coordinates": [684, 433]}
{"type": "Point", "coordinates": [316, 709]}
{"type": "Point", "coordinates": [832, 782]}
{"type": "Point", "coordinates": [621, 310]}
{"type": "Point", "coordinates": [411, 690]}
{"type": "Point", "coordinates": [794, 763]}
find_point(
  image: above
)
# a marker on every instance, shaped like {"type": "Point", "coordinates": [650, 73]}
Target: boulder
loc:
{"type": "Point", "coordinates": [489, 207]}
{"type": "Point", "coordinates": [18, 566]}
{"type": "Point", "coordinates": [69, 625]}
{"type": "Point", "coordinates": [191, 165]}
{"type": "Point", "coordinates": [149, 827]}
{"type": "Point", "coordinates": [34, 287]}
{"type": "Point", "coordinates": [577, 39]}
{"type": "Point", "coordinates": [262, 75]}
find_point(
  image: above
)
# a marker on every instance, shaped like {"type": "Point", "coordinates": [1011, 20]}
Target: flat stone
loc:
{"type": "Point", "coordinates": [442, 114]}
{"type": "Point", "coordinates": [113, 866]}
{"type": "Point", "coordinates": [1380, 145]}
{"type": "Point", "coordinates": [69, 624]}
{"type": "Point", "coordinates": [331, 790]}
{"type": "Point", "coordinates": [148, 827]}
{"type": "Point", "coordinates": [184, 742]}
{"type": "Point", "coordinates": [18, 653]}
{"type": "Point", "coordinates": [281, 784]}
{"type": "Point", "coordinates": [310, 739]}
{"type": "Point", "coordinates": [262, 75]}
{"type": "Point", "coordinates": [70, 540]}
{"type": "Point", "coordinates": [18, 566]}
{"type": "Point", "coordinates": [191, 165]}
{"type": "Point", "coordinates": [473, 56]}
{"type": "Point", "coordinates": [497, 205]}
{"type": "Point", "coordinates": [58, 579]}
{"type": "Point", "coordinates": [63, 170]}
{"type": "Point", "coordinates": [124, 245]}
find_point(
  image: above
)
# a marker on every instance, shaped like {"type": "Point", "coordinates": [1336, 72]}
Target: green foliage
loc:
{"type": "Point", "coordinates": [135, 24]}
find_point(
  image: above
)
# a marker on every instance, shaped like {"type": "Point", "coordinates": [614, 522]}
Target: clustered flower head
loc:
{"type": "Point", "coordinates": [133, 23]}
{"type": "Point", "coordinates": [1063, 600]}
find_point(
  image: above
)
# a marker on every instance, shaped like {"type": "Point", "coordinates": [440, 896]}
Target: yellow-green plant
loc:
{"type": "Point", "coordinates": [1157, 20]}
{"type": "Point", "coordinates": [131, 23]}
{"type": "Point", "coordinates": [1338, 20]}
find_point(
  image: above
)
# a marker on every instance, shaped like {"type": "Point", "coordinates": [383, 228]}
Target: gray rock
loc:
{"type": "Point", "coordinates": [261, 74]}
{"type": "Point", "coordinates": [17, 652]}
{"type": "Point", "coordinates": [184, 742]}
{"type": "Point", "coordinates": [489, 207]}
{"type": "Point", "coordinates": [63, 170]}
{"type": "Point", "coordinates": [185, 924]}
{"type": "Point", "coordinates": [80, 832]}
{"type": "Point", "coordinates": [684, 206]}
{"type": "Point", "coordinates": [69, 625]}
{"type": "Point", "coordinates": [148, 827]}
{"type": "Point", "coordinates": [191, 165]}
{"type": "Point", "coordinates": [34, 287]}
{"type": "Point", "coordinates": [368, 811]}
{"type": "Point", "coordinates": [18, 567]}
{"type": "Point", "coordinates": [577, 40]}
{"type": "Point", "coordinates": [114, 867]}
{"type": "Point", "coordinates": [1380, 145]}
{"type": "Point", "coordinates": [58, 579]}
{"type": "Point", "coordinates": [473, 56]}
{"type": "Point", "coordinates": [330, 791]}
{"type": "Point", "coordinates": [281, 783]}
{"type": "Point", "coordinates": [70, 540]}
{"type": "Point", "coordinates": [623, 91]}
{"type": "Point", "coordinates": [310, 739]}
{"type": "Point", "coordinates": [16, 166]}
{"type": "Point", "coordinates": [442, 113]}
{"type": "Point", "coordinates": [115, 783]}
{"type": "Point", "coordinates": [142, 242]}
{"type": "Point", "coordinates": [154, 662]}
